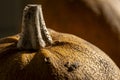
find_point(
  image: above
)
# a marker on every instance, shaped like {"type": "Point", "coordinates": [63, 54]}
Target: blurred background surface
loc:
{"type": "Point", "coordinates": [9, 16]}
{"type": "Point", "coordinates": [69, 16]}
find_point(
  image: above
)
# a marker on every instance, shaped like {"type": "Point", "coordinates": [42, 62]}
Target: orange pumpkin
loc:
{"type": "Point", "coordinates": [40, 54]}
{"type": "Point", "coordinates": [93, 20]}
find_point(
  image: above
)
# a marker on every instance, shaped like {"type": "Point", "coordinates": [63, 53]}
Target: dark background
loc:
{"type": "Point", "coordinates": [10, 11]}
{"type": "Point", "coordinates": [10, 16]}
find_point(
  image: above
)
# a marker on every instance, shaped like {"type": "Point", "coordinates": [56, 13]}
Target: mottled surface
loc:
{"type": "Point", "coordinates": [69, 58]}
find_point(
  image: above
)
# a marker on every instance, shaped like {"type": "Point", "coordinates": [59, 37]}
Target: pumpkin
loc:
{"type": "Point", "coordinates": [93, 20]}
{"type": "Point", "coordinates": [38, 53]}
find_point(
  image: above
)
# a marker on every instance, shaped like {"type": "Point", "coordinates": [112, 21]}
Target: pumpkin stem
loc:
{"type": "Point", "coordinates": [34, 33]}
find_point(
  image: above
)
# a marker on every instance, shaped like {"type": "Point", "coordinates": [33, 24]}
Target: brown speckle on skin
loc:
{"type": "Point", "coordinates": [71, 67]}
{"type": "Point", "coordinates": [47, 60]}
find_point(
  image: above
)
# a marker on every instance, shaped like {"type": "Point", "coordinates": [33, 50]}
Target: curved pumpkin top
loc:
{"type": "Point", "coordinates": [69, 57]}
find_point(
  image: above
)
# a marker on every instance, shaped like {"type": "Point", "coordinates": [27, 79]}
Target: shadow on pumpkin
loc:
{"type": "Point", "coordinates": [24, 65]}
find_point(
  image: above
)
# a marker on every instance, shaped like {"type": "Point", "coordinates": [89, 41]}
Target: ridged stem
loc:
{"type": "Point", "coordinates": [34, 33]}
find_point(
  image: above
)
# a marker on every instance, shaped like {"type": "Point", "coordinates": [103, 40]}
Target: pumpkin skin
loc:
{"type": "Point", "coordinates": [78, 17]}
{"type": "Point", "coordinates": [40, 54]}
{"type": "Point", "coordinates": [68, 58]}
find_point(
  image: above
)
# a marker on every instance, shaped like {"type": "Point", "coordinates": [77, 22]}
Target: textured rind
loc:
{"type": "Point", "coordinates": [68, 58]}
{"type": "Point", "coordinates": [93, 63]}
